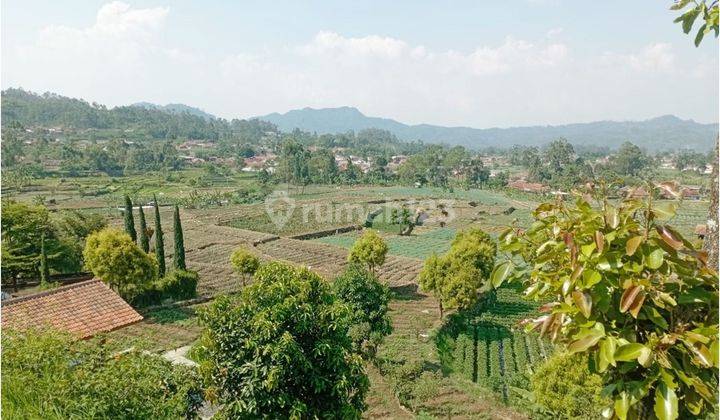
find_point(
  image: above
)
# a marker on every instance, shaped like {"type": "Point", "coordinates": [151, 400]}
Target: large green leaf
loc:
{"type": "Point", "coordinates": [622, 405]}
{"type": "Point", "coordinates": [630, 352]}
{"type": "Point", "coordinates": [632, 244]}
{"type": "Point", "coordinates": [655, 259]}
{"type": "Point", "coordinates": [666, 402]}
{"type": "Point", "coordinates": [664, 210]}
{"type": "Point", "coordinates": [501, 273]}
{"type": "Point", "coordinates": [587, 338]}
{"type": "Point", "coordinates": [606, 355]}
{"type": "Point", "coordinates": [591, 278]}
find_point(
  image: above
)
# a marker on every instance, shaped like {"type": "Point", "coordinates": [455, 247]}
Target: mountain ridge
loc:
{"type": "Point", "coordinates": [664, 132]}
{"type": "Point", "coordinates": [174, 108]}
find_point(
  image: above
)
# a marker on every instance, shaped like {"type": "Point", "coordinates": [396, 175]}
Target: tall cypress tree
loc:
{"type": "Point", "coordinates": [129, 221]}
{"type": "Point", "coordinates": [144, 240]}
{"type": "Point", "coordinates": [44, 268]}
{"type": "Point", "coordinates": [159, 244]}
{"type": "Point", "coordinates": [179, 253]}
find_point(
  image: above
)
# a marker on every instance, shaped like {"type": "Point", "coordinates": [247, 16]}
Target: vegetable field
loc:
{"type": "Point", "coordinates": [488, 347]}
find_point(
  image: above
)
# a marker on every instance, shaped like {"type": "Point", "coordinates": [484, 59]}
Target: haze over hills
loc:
{"type": "Point", "coordinates": [662, 133]}
{"type": "Point", "coordinates": [176, 109]}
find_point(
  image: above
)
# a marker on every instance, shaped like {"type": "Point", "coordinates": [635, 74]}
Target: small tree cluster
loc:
{"type": "Point", "coordinates": [370, 250]}
{"type": "Point", "coordinates": [457, 277]}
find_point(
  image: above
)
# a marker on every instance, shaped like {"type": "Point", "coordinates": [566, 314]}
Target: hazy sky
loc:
{"type": "Point", "coordinates": [473, 63]}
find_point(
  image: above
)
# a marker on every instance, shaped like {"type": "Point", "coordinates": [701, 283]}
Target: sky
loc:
{"type": "Point", "coordinates": [456, 63]}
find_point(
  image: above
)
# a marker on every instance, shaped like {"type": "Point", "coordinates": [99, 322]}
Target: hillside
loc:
{"type": "Point", "coordinates": [176, 109]}
{"type": "Point", "coordinates": [661, 133]}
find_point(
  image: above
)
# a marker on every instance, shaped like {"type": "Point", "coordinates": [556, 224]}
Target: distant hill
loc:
{"type": "Point", "coordinates": [662, 133]}
{"type": "Point", "coordinates": [176, 109]}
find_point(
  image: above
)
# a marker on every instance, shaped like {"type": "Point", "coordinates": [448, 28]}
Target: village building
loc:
{"type": "Point", "coordinates": [83, 309]}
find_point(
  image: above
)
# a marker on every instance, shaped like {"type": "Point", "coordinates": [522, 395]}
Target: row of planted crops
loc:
{"type": "Point", "coordinates": [488, 347]}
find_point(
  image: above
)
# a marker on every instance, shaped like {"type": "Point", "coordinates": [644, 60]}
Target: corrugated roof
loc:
{"type": "Point", "coordinates": [83, 309]}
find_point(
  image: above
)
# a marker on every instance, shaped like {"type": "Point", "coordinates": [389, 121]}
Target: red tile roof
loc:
{"type": "Point", "coordinates": [84, 309]}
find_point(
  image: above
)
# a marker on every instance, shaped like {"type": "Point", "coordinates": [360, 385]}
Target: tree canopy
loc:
{"type": "Point", "coordinates": [281, 349]}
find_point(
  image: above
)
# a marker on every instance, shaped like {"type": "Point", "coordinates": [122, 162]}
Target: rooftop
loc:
{"type": "Point", "coordinates": [83, 309]}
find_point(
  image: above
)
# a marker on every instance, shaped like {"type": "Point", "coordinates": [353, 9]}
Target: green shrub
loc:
{"type": "Point", "coordinates": [179, 285]}
{"type": "Point", "coordinates": [49, 375]}
{"type": "Point", "coordinates": [564, 386]}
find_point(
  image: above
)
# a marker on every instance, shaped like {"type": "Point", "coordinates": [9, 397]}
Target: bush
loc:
{"type": "Point", "coordinates": [179, 285]}
{"type": "Point", "coordinates": [49, 375]}
{"type": "Point", "coordinates": [564, 386]}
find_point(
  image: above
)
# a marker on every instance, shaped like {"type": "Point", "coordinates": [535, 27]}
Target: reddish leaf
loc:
{"type": "Point", "coordinates": [583, 301]}
{"type": "Point", "coordinates": [636, 304]}
{"type": "Point", "coordinates": [669, 238]}
{"type": "Point", "coordinates": [599, 241]}
{"type": "Point", "coordinates": [628, 297]}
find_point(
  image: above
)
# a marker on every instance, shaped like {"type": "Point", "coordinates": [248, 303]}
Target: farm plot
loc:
{"type": "Point", "coordinates": [420, 245]}
{"type": "Point", "coordinates": [329, 260]}
{"type": "Point", "coordinates": [488, 347]}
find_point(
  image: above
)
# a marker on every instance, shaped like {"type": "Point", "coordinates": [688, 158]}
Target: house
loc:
{"type": "Point", "coordinates": [83, 309]}
{"type": "Point", "coordinates": [634, 192]}
{"type": "Point", "coordinates": [701, 231]}
{"type": "Point", "coordinates": [531, 187]}
{"type": "Point", "coordinates": [691, 192]}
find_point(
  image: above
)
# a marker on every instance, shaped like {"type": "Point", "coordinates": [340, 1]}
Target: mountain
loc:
{"type": "Point", "coordinates": [176, 109]}
{"type": "Point", "coordinates": [662, 133]}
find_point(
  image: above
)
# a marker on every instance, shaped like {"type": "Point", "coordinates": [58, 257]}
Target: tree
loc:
{"type": "Point", "coordinates": [711, 237]}
{"type": "Point", "coordinates": [455, 279]}
{"type": "Point", "coordinates": [629, 160]}
{"type": "Point", "coordinates": [627, 289]}
{"type": "Point", "coordinates": [129, 221]}
{"type": "Point", "coordinates": [370, 250]}
{"type": "Point", "coordinates": [368, 299]}
{"type": "Point", "coordinates": [179, 251]}
{"type": "Point", "coordinates": [432, 278]}
{"type": "Point", "coordinates": [244, 263]}
{"type": "Point", "coordinates": [114, 257]}
{"type": "Point", "coordinates": [23, 227]}
{"type": "Point", "coordinates": [709, 13]}
{"type": "Point", "coordinates": [281, 349]}
{"type": "Point", "coordinates": [44, 268]}
{"type": "Point", "coordinates": [159, 243]}
{"type": "Point", "coordinates": [144, 237]}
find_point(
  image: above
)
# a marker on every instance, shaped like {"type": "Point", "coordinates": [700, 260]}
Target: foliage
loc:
{"type": "Point", "coordinates": [159, 242]}
{"type": "Point", "coordinates": [113, 257]}
{"type": "Point", "coordinates": [244, 262]}
{"type": "Point", "coordinates": [179, 250]}
{"type": "Point", "coordinates": [565, 387]}
{"type": "Point", "coordinates": [370, 250]}
{"type": "Point", "coordinates": [628, 290]}
{"type": "Point", "coordinates": [708, 11]}
{"type": "Point", "coordinates": [144, 234]}
{"type": "Point", "coordinates": [48, 375]}
{"type": "Point", "coordinates": [281, 349]}
{"type": "Point", "coordinates": [129, 221]}
{"type": "Point", "coordinates": [23, 227]}
{"type": "Point", "coordinates": [179, 285]}
{"type": "Point", "coordinates": [368, 299]}
{"type": "Point", "coordinates": [456, 277]}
